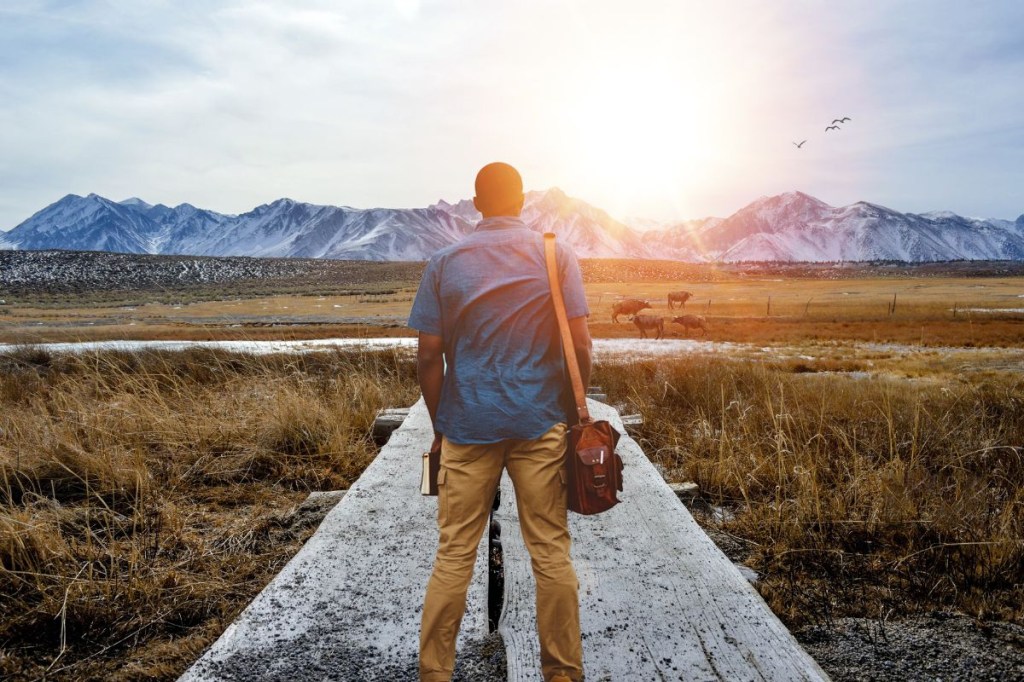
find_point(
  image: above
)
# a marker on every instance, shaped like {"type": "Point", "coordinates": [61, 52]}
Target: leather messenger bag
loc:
{"type": "Point", "coordinates": [593, 468]}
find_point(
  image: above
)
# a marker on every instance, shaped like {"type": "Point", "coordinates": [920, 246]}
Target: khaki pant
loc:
{"type": "Point", "coordinates": [466, 486]}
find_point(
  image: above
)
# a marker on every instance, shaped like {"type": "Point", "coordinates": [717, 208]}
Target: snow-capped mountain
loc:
{"type": "Point", "coordinates": [797, 227]}
{"type": "Point", "coordinates": [89, 223]}
{"type": "Point", "coordinates": [787, 227]}
{"type": "Point", "coordinates": [287, 228]}
{"type": "Point", "coordinates": [591, 231]}
{"type": "Point", "coordinates": [681, 240]}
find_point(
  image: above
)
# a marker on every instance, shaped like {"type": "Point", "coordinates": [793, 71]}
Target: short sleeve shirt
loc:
{"type": "Point", "coordinates": [489, 299]}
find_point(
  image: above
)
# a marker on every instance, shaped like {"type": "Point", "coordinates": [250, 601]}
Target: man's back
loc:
{"type": "Point", "coordinates": [489, 298]}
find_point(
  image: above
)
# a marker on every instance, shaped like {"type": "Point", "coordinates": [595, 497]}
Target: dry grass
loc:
{"type": "Point", "coordinates": [146, 498]}
{"type": "Point", "coordinates": [853, 497]}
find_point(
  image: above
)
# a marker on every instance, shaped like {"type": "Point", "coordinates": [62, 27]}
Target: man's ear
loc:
{"type": "Point", "coordinates": [519, 204]}
{"type": "Point", "coordinates": [476, 205]}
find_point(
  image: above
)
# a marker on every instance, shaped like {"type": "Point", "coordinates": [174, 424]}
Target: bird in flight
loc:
{"type": "Point", "coordinates": [832, 128]}
{"type": "Point", "coordinates": [799, 145]}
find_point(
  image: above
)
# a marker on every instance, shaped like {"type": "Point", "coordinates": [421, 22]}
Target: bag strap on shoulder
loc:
{"type": "Point", "coordinates": [568, 349]}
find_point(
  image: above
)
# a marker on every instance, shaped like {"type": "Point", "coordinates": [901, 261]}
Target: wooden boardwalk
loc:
{"type": "Point", "coordinates": [659, 601]}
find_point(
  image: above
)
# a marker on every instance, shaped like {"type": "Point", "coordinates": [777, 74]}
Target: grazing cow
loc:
{"type": "Point", "coordinates": [630, 306]}
{"type": "Point", "coordinates": [653, 323]}
{"type": "Point", "coordinates": [680, 297]}
{"type": "Point", "coordinates": [695, 321]}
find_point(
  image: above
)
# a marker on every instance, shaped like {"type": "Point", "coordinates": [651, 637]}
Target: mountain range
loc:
{"type": "Point", "coordinates": [787, 227]}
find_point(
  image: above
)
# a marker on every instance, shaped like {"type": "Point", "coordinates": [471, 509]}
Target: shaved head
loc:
{"type": "Point", "coordinates": [499, 190]}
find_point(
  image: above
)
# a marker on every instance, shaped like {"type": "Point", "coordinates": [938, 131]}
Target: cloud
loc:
{"type": "Point", "coordinates": [229, 104]}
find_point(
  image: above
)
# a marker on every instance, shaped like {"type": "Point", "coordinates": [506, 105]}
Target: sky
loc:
{"type": "Point", "coordinates": [657, 110]}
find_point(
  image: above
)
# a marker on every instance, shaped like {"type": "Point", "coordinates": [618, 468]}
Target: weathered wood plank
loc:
{"type": "Point", "coordinates": [658, 600]}
{"type": "Point", "coordinates": [632, 423]}
{"type": "Point", "coordinates": [347, 606]}
{"type": "Point", "coordinates": [386, 421]}
{"type": "Point", "coordinates": [687, 491]}
{"type": "Point", "coordinates": [631, 419]}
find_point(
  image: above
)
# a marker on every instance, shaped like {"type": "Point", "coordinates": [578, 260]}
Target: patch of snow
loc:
{"type": "Point", "coordinates": [939, 215]}
{"type": "Point", "coordinates": [255, 347]}
{"type": "Point", "coordinates": [748, 573]}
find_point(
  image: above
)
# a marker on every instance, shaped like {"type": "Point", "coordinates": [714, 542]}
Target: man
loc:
{"type": "Point", "coordinates": [492, 374]}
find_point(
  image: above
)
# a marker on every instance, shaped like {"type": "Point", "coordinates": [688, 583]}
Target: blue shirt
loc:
{"type": "Point", "coordinates": [489, 300]}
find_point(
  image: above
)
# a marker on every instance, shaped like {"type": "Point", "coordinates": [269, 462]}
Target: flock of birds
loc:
{"type": "Point", "coordinates": [833, 126]}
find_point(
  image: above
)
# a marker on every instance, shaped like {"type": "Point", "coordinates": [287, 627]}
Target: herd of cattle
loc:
{"type": "Point", "coordinates": [655, 323]}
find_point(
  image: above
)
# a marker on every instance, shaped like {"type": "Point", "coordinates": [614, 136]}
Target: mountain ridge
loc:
{"type": "Point", "coordinates": [793, 226]}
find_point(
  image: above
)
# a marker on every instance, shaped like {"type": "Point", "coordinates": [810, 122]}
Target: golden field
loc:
{"type": "Point", "coordinates": [935, 311]}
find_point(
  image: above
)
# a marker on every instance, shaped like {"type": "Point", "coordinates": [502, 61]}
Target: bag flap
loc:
{"type": "Point", "coordinates": [598, 454]}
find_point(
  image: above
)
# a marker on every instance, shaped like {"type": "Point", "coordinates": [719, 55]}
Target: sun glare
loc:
{"type": "Point", "coordinates": [640, 134]}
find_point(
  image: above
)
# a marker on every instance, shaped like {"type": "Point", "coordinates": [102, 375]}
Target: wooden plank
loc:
{"type": "Point", "coordinates": [630, 422]}
{"type": "Point", "coordinates": [347, 606]}
{"type": "Point", "coordinates": [658, 600]}
{"type": "Point", "coordinates": [687, 492]}
{"type": "Point", "coordinates": [386, 421]}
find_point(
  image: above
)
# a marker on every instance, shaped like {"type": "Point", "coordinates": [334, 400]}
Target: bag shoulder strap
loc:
{"type": "Point", "coordinates": [568, 350]}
